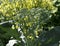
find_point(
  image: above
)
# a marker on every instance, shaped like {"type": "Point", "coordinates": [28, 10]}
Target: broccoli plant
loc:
{"type": "Point", "coordinates": [24, 20]}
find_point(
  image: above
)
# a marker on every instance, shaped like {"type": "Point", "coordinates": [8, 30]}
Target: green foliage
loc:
{"type": "Point", "coordinates": [31, 17]}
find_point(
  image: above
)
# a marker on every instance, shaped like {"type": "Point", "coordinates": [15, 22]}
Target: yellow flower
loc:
{"type": "Point", "coordinates": [30, 37]}
{"type": "Point", "coordinates": [7, 15]}
{"type": "Point", "coordinates": [17, 26]}
{"type": "Point", "coordinates": [1, 10]}
{"type": "Point", "coordinates": [29, 3]}
{"type": "Point", "coordinates": [13, 27]}
{"type": "Point", "coordinates": [17, 3]}
{"type": "Point", "coordinates": [8, 5]}
{"type": "Point", "coordinates": [26, 18]}
{"type": "Point", "coordinates": [0, 6]}
{"type": "Point", "coordinates": [29, 24]}
{"type": "Point", "coordinates": [36, 32]}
